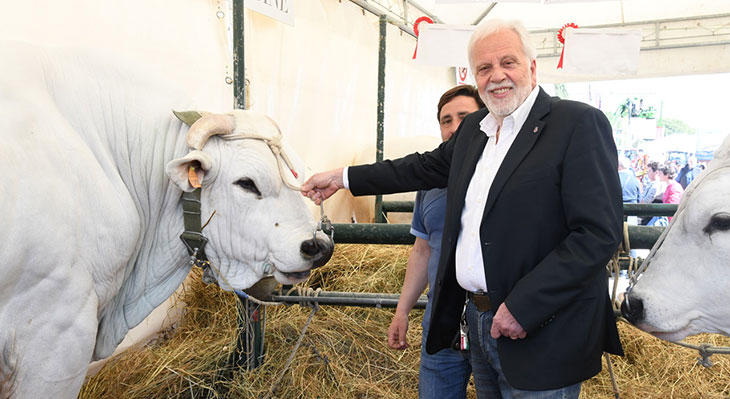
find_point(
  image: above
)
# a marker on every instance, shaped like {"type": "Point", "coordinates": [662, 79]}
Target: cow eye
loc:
{"type": "Point", "coordinates": [249, 185]}
{"type": "Point", "coordinates": [718, 222]}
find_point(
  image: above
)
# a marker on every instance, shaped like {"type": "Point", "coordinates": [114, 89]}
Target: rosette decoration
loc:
{"type": "Point", "coordinates": [561, 38]}
{"type": "Point", "coordinates": [415, 30]}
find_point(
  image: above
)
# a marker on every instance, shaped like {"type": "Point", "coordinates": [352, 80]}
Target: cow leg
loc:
{"type": "Point", "coordinates": [45, 353]}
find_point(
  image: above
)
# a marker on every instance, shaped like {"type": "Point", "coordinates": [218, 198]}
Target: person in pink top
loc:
{"type": "Point", "coordinates": [674, 190]}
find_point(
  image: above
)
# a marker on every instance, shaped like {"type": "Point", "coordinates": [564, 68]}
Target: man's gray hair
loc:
{"type": "Point", "coordinates": [489, 26]}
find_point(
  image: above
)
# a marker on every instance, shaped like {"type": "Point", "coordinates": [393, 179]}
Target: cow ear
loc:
{"type": "Point", "coordinates": [189, 171]}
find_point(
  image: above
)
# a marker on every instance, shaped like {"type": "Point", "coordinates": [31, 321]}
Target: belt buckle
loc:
{"type": "Point", "coordinates": [481, 301]}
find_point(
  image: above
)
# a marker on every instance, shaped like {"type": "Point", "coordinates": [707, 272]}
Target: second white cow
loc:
{"type": "Point", "coordinates": [685, 289]}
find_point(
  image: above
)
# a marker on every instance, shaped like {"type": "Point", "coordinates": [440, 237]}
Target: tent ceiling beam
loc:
{"type": "Point", "coordinates": [660, 34]}
{"type": "Point", "coordinates": [484, 14]}
{"type": "Point", "coordinates": [425, 12]}
{"type": "Point", "coordinates": [396, 18]}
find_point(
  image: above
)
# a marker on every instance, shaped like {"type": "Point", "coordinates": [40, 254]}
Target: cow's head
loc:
{"type": "Point", "coordinates": [685, 289]}
{"type": "Point", "coordinates": [261, 223]}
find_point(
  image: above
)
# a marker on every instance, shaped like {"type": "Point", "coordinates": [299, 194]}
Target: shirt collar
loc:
{"type": "Point", "coordinates": [517, 118]}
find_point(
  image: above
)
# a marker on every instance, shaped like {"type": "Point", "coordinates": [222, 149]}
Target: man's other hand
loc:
{"type": "Point", "coordinates": [397, 332]}
{"type": "Point", "coordinates": [505, 324]}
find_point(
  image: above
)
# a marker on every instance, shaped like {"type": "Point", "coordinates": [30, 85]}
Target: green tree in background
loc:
{"type": "Point", "coordinates": [676, 126]}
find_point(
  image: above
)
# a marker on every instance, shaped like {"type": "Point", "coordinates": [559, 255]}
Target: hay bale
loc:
{"type": "Point", "coordinates": [344, 353]}
{"type": "Point", "coordinates": [654, 369]}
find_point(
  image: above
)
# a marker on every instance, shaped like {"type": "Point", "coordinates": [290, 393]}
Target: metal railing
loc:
{"type": "Point", "coordinates": [629, 209]}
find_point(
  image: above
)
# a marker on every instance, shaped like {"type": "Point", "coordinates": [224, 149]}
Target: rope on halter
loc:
{"type": "Point", "coordinates": [276, 147]}
{"type": "Point", "coordinates": [609, 367]}
{"type": "Point", "coordinates": [613, 266]}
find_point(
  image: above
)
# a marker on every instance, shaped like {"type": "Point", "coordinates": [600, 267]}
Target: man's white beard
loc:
{"type": "Point", "coordinates": [509, 104]}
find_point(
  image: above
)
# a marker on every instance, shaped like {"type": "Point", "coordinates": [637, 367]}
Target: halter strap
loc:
{"type": "Point", "coordinates": [193, 237]}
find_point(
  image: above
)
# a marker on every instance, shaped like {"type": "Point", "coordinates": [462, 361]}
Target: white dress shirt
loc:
{"type": "Point", "coordinates": [469, 262]}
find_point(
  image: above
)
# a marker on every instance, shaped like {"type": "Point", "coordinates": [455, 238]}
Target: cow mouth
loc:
{"type": "Point", "coordinates": [286, 277]}
{"type": "Point", "coordinates": [296, 275]}
{"type": "Point", "coordinates": [673, 335]}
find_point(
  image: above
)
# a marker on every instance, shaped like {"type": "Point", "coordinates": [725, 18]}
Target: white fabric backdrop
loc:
{"type": "Point", "coordinates": [184, 40]}
{"type": "Point", "coordinates": [319, 79]}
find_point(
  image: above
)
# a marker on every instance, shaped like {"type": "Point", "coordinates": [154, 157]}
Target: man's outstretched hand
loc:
{"type": "Point", "coordinates": [323, 185]}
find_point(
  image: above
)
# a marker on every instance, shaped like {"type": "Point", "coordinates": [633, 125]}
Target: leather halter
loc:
{"type": "Point", "coordinates": [193, 237]}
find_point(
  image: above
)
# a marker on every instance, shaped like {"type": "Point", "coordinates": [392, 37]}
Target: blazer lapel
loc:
{"type": "Point", "coordinates": [525, 140]}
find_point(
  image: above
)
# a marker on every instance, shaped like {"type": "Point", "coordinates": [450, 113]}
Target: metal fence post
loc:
{"type": "Point", "coordinates": [249, 351]}
{"type": "Point", "coordinates": [379, 218]}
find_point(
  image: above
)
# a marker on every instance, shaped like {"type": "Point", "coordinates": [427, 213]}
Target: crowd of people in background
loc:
{"type": "Point", "coordinates": [653, 182]}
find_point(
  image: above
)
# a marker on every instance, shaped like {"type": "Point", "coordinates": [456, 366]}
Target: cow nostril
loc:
{"type": "Point", "coordinates": [633, 309]}
{"type": "Point", "coordinates": [309, 248]}
{"type": "Point", "coordinates": [319, 251]}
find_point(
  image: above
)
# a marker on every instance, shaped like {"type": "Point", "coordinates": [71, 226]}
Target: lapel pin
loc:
{"type": "Point", "coordinates": [534, 130]}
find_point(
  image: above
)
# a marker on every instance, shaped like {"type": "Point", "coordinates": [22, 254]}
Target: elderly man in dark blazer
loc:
{"type": "Point", "coordinates": [534, 212]}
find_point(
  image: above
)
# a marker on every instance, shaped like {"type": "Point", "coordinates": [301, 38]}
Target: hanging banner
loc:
{"type": "Point", "coordinates": [602, 51]}
{"type": "Point", "coordinates": [280, 10]}
{"type": "Point", "coordinates": [512, 1]}
{"type": "Point", "coordinates": [443, 45]}
{"type": "Point", "coordinates": [484, 1]}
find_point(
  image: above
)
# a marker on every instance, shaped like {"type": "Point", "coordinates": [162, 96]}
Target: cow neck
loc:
{"type": "Point", "coordinates": [193, 237]}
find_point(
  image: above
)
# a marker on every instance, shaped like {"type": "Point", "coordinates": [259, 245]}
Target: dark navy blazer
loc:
{"type": "Point", "coordinates": [552, 220]}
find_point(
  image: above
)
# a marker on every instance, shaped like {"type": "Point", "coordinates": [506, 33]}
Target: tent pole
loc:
{"type": "Point", "coordinates": [239, 67]}
{"type": "Point", "coordinates": [249, 351]}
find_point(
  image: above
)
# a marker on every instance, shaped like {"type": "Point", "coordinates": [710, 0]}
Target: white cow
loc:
{"type": "Point", "coordinates": [94, 165]}
{"type": "Point", "coordinates": [685, 289]}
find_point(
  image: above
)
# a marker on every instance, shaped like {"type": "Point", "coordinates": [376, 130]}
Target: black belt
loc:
{"type": "Point", "coordinates": [480, 300]}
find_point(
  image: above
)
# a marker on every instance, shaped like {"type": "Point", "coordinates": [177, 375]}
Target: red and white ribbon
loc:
{"type": "Point", "coordinates": [561, 38]}
{"type": "Point", "coordinates": [415, 30]}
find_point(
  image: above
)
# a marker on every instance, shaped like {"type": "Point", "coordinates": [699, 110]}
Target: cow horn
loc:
{"type": "Point", "coordinates": [209, 125]}
{"type": "Point", "coordinates": [187, 117]}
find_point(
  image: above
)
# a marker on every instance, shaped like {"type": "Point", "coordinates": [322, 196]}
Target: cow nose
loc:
{"type": "Point", "coordinates": [633, 309]}
{"type": "Point", "coordinates": [318, 250]}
